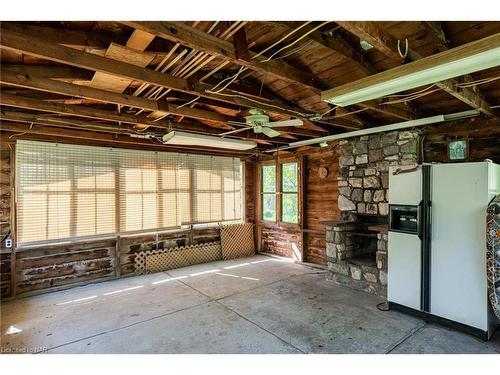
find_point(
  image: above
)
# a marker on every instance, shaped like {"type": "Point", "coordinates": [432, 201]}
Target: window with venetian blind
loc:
{"type": "Point", "coordinates": [65, 191]}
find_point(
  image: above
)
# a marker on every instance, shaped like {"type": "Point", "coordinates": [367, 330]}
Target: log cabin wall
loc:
{"type": "Point", "coordinates": [483, 137]}
{"type": "Point", "coordinates": [317, 202]}
{"type": "Point", "coordinates": [5, 218]}
{"type": "Point", "coordinates": [35, 269]}
{"type": "Point", "coordinates": [320, 201]}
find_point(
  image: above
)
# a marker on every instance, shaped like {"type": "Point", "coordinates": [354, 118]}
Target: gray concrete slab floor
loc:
{"type": "Point", "coordinates": [253, 305]}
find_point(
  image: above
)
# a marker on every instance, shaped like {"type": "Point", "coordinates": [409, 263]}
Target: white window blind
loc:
{"type": "Point", "coordinates": [66, 191]}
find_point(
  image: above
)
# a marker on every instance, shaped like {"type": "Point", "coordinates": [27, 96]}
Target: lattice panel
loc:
{"type": "Point", "coordinates": [177, 257]}
{"type": "Point", "coordinates": [237, 240]}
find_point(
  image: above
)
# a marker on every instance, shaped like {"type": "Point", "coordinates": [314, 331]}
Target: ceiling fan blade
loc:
{"type": "Point", "coordinates": [270, 132]}
{"type": "Point", "coordinates": [239, 123]}
{"type": "Point", "coordinates": [234, 131]}
{"type": "Point", "coordinates": [279, 124]}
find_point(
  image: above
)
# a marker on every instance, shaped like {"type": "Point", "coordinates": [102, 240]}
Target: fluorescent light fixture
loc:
{"type": "Point", "coordinates": [468, 58]}
{"type": "Point", "coordinates": [384, 128]}
{"type": "Point", "coordinates": [191, 139]}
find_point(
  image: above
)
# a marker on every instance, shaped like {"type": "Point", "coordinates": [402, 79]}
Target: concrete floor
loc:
{"type": "Point", "coordinates": [253, 305]}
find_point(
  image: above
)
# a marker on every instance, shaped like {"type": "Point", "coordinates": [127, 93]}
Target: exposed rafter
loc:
{"type": "Point", "coordinates": [32, 81]}
{"type": "Point", "coordinates": [387, 44]}
{"type": "Point", "coordinates": [179, 32]}
{"type": "Point", "coordinates": [12, 39]}
{"type": "Point", "coordinates": [337, 44]}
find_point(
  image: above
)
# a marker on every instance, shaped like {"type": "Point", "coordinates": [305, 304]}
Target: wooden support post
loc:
{"type": "Point", "coordinates": [302, 160]}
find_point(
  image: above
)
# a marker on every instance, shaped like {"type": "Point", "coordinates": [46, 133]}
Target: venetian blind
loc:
{"type": "Point", "coordinates": [66, 191]}
{"type": "Point", "coordinates": [215, 185]}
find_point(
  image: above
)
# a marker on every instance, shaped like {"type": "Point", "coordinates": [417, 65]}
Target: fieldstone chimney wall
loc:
{"type": "Point", "coordinates": [364, 163]}
{"type": "Point", "coordinates": [364, 190]}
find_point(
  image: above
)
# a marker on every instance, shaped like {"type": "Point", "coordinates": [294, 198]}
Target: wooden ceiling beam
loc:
{"type": "Point", "coordinates": [32, 45]}
{"type": "Point", "coordinates": [339, 45]}
{"type": "Point", "coordinates": [35, 82]}
{"type": "Point", "coordinates": [388, 45]}
{"type": "Point", "coordinates": [95, 113]}
{"type": "Point", "coordinates": [191, 37]}
{"type": "Point", "coordinates": [69, 37]}
{"type": "Point", "coordinates": [88, 137]}
{"type": "Point", "coordinates": [71, 123]}
{"type": "Point", "coordinates": [436, 28]}
{"type": "Point", "coordinates": [59, 72]}
{"type": "Point", "coordinates": [186, 35]}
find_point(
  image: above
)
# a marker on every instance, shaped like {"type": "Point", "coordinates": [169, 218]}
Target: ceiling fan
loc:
{"type": "Point", "coordinates": [258, 120]}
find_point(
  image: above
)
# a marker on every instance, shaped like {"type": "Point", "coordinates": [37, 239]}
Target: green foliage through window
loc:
{"type": "Point", "coordinates": [289, 198]}
{"type": "Point", "coordinates": [269, 193]}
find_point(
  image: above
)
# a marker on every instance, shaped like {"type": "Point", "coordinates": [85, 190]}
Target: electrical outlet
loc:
{"type": "Point", "coordinates": [8, 243]}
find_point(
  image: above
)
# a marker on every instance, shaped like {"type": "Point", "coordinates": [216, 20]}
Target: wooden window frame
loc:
{"type": "Point", "coordinates": [278, 164]}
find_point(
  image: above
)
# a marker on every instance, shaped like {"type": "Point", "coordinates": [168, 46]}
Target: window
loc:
{"type": "Point", "coordinates": [269, 193]}
{"type": "Point", "coordinates": [286, 177]}
{"type": "Point", "coordinates": [289, 196]}
{"type": "Point", "coordinates": [66, 191]}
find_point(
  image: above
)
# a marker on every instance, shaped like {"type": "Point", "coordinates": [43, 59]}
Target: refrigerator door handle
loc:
{"type": "Point", "coordinates": [420, 227]}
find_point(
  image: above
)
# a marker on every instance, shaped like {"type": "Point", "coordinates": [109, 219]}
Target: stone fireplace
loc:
{"type": "Point", "coordinates": [357, 243]}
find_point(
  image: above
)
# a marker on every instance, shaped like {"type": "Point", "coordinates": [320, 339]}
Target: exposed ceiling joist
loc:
{"type": "Point", "coordinates": [32, 81]}
{"type": "Point", "coordinates": [388, 45]}
{"type": "Point", "coordinates": [186, 35]}
{"type": "Point", "coordinates": [93, 113]}
{"type": "Point", "coordinates": [59, 72]}
{"type": "Point", "coordinates": [88, 124]}
{"type": "Point", "coordinates": [436, 28]}
{"type": "Point", "coordinates": [98, 138]}
{"type": "Point", "coordinates": [337, 44]}
{"type": "Point", "coordinates": [179, 32]}
{"type": "Point", "coordinates": [17, 41]}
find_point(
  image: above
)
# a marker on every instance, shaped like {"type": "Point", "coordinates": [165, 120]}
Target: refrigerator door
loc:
{"type": "Point", "coordinates": [404, 250]}
{"type": "Point", "coordinates": [458, 255]}
{"type": "Point", "coordinates": [404, 270]}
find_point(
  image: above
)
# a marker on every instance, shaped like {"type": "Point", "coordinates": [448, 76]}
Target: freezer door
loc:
{"type": "Point", "coordinates": [404, 269]}
{"type": "Point", "coordinates": [458, 255]}
{"type": "Point", "coordinates": [405, 188]}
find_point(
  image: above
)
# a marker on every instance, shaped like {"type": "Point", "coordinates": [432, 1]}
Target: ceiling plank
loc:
{"type": "Point", "coordinates": [388, 45]}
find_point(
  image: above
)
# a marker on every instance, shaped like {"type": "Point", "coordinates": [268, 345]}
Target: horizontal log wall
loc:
{"type": "Point", "coordinates": [319, 202]}
{"type": "Point", "coordinates": [321, 196]}
{"type": "Point", "coordinates": [483, 136]}
{"type": "Point", "coordinates": [5, 218]}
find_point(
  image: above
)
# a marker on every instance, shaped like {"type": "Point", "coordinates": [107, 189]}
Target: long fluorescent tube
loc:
{"type": "Point", "coordinates": [384, 128]}
{"type": "Point", "coordinates": [468, 58]}
{"type": "Point", "coordinates": [192, 139]}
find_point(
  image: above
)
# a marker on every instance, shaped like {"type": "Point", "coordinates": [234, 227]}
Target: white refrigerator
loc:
{"type": "Point", "coordinates": [437, 243]}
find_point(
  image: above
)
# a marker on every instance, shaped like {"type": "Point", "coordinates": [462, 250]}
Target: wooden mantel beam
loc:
{"type": "Point", "coordinates": [387, 44]}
